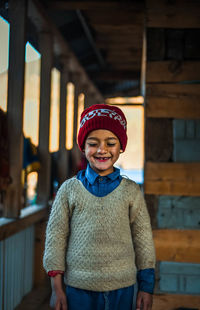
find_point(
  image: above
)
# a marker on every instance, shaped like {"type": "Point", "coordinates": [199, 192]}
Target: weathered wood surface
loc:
{"type": "Point", "coordinates": [17, 225]}
{"type": "Point", "coordinates": [173, 14]}
{"type": "Point", "coordinates": [95, 5]}
{"type": "Point", "coordinates": [46, 50]}
{"type": "Point", "coordinates": [158, 139]}
{"type": "Point", "coordinates": [177, 245]}
{"type": "Point", "coordinates": [173, 101]}
{"type": "Point", "coordinates": [172, 179]}
{"type": "Point", "coordinates": [37, 299]}
{"type": "Point", "coordinates": [174, 301]}
{"type": "Point", "coordinates": [18, 11]}
{"type": "Point", "coordinates": [172, 71]}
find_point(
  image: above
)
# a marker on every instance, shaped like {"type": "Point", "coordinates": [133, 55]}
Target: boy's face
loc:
{"type": "Point", "coordinates": [102, 149]}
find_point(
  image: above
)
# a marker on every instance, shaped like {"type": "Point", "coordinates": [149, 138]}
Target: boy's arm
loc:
{"type": "Point", "coordinates": [58, 297]}
{"type": "Point", "coordinates": [146, 280]}
{"type": "Point", "coordinates": [142, 233]}
{"type": "Point", "coordinates": [57, 233]}
{"type": "Point", "coordinates": [144, 251]}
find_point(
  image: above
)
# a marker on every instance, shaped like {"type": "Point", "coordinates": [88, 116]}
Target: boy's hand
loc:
{"type": "Point", "coordinates": [58, 300]}
{"type": "Point", "coordinates": [144, 301]}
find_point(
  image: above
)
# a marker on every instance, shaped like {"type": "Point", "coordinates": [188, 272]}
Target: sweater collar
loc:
{"type": "Point", "coordinates": [91, 175]}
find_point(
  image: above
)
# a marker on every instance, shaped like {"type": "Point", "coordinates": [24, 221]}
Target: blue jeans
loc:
{"type": "Point", "coordinates": [121, 299]}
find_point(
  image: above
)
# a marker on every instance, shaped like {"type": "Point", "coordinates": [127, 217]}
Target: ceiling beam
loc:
{"type": "Point", "coordinates": [94, 5]}
{"type": "Point", "coordinates": [121, 75]}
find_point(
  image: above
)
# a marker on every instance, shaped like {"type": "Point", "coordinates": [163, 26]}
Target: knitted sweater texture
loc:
{"type": "Point", "coordinates": [99, 242]}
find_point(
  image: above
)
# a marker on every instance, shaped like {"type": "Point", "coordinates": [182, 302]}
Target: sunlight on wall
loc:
{"type": "Point", "coordinates": [125, 100]}
{"type": "Point", "coordinates": [81, 99]}
{"type": "Point", "coordinates": [32, 93]}
{"type": "Point", "coordinates": [4, 52]}
{"type": "Point", "coordinates": [133, 157]}
{"type": "Point", "coordinates": [70, 116]}
{"type": "Point", "coordinates": [54, 111]}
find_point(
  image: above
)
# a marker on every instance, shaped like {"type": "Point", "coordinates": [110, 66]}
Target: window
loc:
{"type": "Point", "coordinates": [32, 94]}
{"type": "Point", "coordinates": [81, 99]}
{"type": "Point", "coordinates": [54, 111]}
{"type": "Point", "coordinates": [4, 52]}
{"type": "Point", "coordinates": [70, 116]}
{"type": "Point", "coordinates": [131, 162]}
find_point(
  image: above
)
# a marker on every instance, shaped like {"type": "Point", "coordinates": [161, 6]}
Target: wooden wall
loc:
{"type": "Point", "coordinates": [172, 92]}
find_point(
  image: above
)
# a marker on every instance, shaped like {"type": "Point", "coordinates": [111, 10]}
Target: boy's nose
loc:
{"type": "Point", "coordinates": [102, 149]}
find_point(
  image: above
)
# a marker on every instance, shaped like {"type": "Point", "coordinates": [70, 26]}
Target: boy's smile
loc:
{"type": "Point", "coordinates": [102, 149]}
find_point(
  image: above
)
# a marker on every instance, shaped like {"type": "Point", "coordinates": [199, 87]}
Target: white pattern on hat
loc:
{"type": "Point", "coordinates": [103, 112]}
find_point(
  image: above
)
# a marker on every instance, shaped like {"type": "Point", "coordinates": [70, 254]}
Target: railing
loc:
{"type": "Point", "coordinates": [16, 267]}
{"type": "Point", "coordinates": [17, 252]}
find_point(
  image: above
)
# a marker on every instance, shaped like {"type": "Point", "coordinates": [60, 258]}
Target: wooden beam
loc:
{"type": "Point", "coordinates": [22, 223]}
{"type": "Point", "coordinates": [172, 71]}
{"type": "Point", "coordinates": [173, 14]}
{"type": "Point", "coordinates": [177, 245]}
{"type": "Point", "coordinates": [181, 179]}
{"type": "Point", "coordinates": [62, 162]}
{"type": "Point", "coordinates": [115, 75]}
{"type": "Point", "coordinates": [173, 101]}
{"type": "Point", "coordinates": [174, 301]}
{"type": "Point", "coordinates": [94, 5]}
{"type": "Point", "coordinates": [122, 17]}
{"type": "Point", "coordinates": [45, 92]}
{"type": "Point", "coordinates": [18, 12]}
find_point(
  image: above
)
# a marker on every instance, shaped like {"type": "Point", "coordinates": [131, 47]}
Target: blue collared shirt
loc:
{"type": "Point", "coordinates": [101, 186]}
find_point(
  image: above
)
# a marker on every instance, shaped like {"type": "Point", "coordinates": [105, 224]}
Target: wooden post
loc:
{"type": "Point", "coordinates": [18, 12]}
{"type": "Point", "coordinates": [45, 92]}
{"type": "Point", "coordinates": [63, 153]}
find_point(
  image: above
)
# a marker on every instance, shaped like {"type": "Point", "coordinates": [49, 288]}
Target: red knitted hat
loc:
{"type": "Point", "coordinates": [102, 116]}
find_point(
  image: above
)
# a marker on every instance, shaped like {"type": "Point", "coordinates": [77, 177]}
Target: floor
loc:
{"type": "Point", "coordinates": [38, 299]}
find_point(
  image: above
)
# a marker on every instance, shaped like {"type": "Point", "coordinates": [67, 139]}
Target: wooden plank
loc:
{"type": "Point", "coordinates": [173, 101]}
{"type": "Point", "coordinates": [158, 139]}
{"type": "Point", "coordinates": [45, 91]}
{"type": "Point", "coordinates": [62, 162]}
{"type": "Point", "coordinates": [177, 245]}
{"type": "Point", "coordinates": [174, 301]}
{"type": "Point", "coordinates": [172, 179]}
{"type": "Point", "coordinates": [19, 224]}
{"type": "Point", "coordinates": [17, 18]}
{"type": "Point", "coordinates": [122, 17]}
{"type": "Point", "coordinates": [172, 71]}
{"type": "Point", "coordinates": [37, 298]}
{"type": "Point", "coordinates": [116, 75]}
{"type": "Point", "coordinates": [94, 5]}
{"type": "Point", "coordinates": [173, 14]}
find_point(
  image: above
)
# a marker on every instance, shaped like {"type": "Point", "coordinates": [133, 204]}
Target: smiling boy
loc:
{"type": "Point", "coordinates": [99, 230]}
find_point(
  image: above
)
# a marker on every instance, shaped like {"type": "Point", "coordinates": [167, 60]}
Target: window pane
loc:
{"type": "Point", "coordinates": [131, 162]}
{"type": "Point", "coordinates": [54, 111]}
{"type": "Point", "coordinates": [4, 55]}
{"type": "Point", "coordinates": [70, 116]}
{"type": "Point", "coordinates": [32, 93]}
{"type": "Point", "coordinates": [81, 99]}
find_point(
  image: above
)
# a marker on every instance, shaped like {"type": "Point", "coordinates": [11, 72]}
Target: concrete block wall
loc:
{"type": "Point", "coordinates": [178, 212]}
{"type": "Point", "coordinates": [186, 140]}
{"type": "Point", "coordinates": [179, 278]}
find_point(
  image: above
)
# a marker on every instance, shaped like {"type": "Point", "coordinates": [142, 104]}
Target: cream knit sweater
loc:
{"type": "Point", "coordinates": [99, 241]}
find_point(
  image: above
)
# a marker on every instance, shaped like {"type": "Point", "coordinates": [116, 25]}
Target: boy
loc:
{"type": "Point", "coordinates": [99, 229]}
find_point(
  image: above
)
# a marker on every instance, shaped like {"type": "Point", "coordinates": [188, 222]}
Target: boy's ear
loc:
{"type": "Point", "coordinates": [121, 151]}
